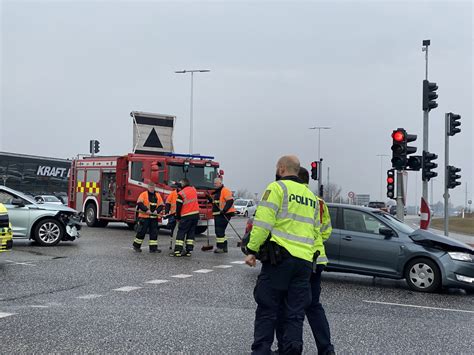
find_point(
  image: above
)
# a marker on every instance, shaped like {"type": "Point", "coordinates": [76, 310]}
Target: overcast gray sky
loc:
{"type": "Point", "coordinates": [73, 71]}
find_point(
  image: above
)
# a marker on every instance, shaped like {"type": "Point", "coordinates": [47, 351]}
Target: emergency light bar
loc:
{"type": "Point", "coordinates": [191, 156]}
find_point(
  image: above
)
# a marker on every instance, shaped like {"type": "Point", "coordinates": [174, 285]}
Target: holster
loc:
{"type": "Point", "coordinates": [272, 252]}
{"type": "Point", "coordinates": [315, 261]}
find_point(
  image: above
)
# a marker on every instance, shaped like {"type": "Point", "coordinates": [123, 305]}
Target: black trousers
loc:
{"type": "Point", "coordinates": [186, 230]}
{"type": "Point", "coordinates": [284, 285]}
{"type": "Point", "coordinates": [145, 225]}
{"type": "Point", "coordinates": [220, 225]}
{"type": "Point", "coordinates": [316, 317]}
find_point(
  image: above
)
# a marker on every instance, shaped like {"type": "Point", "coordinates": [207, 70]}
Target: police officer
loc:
{"type": "Point", "coordinates": [187, 215]}
{"type": "Point", "coordinates": [284, 229]}
{"type": "Point", "coordinates": [149, 205]}
{"type": "Point", "coordinates": [315, 311]}
{"type": "Point", "coordinates": [222, 210]}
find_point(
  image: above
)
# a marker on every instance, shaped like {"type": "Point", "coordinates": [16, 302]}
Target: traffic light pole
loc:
{"type": "Point", "coordinates": [424, 193]}
{"type": "Point", "coordinates": [400, 206]}
{"type": "Point", "coordinates": [446, 164]}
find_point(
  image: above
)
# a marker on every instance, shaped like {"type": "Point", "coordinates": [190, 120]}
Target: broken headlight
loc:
{"type": "Point", "coordinates": [460, 256]}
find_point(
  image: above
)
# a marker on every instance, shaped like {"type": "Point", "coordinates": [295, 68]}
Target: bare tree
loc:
{"type": "Point", "coordinates": [244, 193]}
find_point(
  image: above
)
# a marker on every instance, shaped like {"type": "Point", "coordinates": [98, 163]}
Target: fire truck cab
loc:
{"type": "Point", "coordinates": [106, 189]}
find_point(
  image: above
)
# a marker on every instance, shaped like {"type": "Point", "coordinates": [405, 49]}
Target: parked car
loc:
{"type": "Point", "coordinates": [245, 207]}
{"type": "Point", "coordinates": [371, 242]}
{"type": "Point", "coordinates": [48, 199]}
{"type": "Point", "coordinates": [46, 223]}
{"type": "Point", "coordinates": [378, 204]}
{"type": "Point", "coordinates": [6, 234]}
{"type": "Point", "coordinates": [393, 210]}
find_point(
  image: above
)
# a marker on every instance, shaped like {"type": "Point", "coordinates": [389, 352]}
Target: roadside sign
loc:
{"type": "Point", "coordinates": [351, 194]}
{"type": "Point", "coordinates": [469, 202]}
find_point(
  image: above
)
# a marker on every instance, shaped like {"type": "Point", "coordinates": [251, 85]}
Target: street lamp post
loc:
{"type": "Point", "coordinates": [320, 172]}
{"type": "Point", "coordinates": [191, 108]}
{"type": "Point", "coordinates": [381, 174]}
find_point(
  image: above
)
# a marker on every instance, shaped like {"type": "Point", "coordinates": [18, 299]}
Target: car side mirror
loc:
{"type": "Point", "coordinates": [386, 232]}
{"type": "Point", "coordinates": [18, 202]}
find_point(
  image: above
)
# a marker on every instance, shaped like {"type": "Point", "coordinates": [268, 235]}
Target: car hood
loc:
{"type": "Point", "coordinates": [54, 207]}
{"type": "Point", "coordinates": [430, 239]}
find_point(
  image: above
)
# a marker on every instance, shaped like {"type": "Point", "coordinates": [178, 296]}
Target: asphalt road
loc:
{"type": "Point", "coordinates": [96, 295]}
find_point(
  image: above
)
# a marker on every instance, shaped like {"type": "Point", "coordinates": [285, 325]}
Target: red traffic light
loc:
{"type": "Point", "coordinates": [314, 164]}
{"type": "Point", "coordinates": [398, 136]}
{"type": "Point", "coordinates": [390, 180]}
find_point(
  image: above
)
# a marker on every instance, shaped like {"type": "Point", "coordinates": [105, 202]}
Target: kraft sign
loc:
{"type": "Point", "coordinates": [52, 171]}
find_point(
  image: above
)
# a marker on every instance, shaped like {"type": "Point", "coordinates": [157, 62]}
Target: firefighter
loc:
{"type": "Point", "coordinates": [283, 235]}
{"type": "Point", "coordinates": [170, 207]}
{"type": "Point", "coordinates": [187, 216]}
{"type": "Point", "coordinates": [315, 311]}
{"type": "Point", "coordinates": [149, 205]}
{"type": "Point", "coordinates": [223, 210]}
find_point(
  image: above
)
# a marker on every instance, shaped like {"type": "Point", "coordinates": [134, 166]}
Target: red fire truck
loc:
{"type": "Point", "coordinates": [106, 189]}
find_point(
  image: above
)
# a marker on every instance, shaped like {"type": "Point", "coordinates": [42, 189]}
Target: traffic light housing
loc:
{"type": "Point", "coordinates": [391, 184]}
{"type": "Point", "coordinates": [415, 162]}
{"type": "Point", "coordinates": [428, 166]}
{"type": "Point", "coordinates": [314, 170]}
{"type": "Point", "coordinates": [453, 176]}
{"type": "Point", "coordinates": [453, 124]}
{"type": "Point", "coordinates": [96, 146]}
{"type": "Point", "coordinates": [401, 150]}
{"type": "Point", "coordinates": [429, 95]}
{"type": "Point", "coordinates": [321, 191]}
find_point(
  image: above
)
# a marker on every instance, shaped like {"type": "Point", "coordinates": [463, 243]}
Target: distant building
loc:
{"type": "Point", "coordinates": [362, 200]}
{"type": "Point", "coordinates": [33, 174]}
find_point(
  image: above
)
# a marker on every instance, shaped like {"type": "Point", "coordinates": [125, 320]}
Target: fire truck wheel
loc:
{"type": "Point", "coordinates": [200, 230]}
{"type": "Point", "coordinates": [91, 216]}
{"type": "Point", "coordinates": [48, 232]}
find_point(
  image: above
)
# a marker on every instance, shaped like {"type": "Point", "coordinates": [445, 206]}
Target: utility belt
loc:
{"type": "Point", "coordinates": [273, 253]}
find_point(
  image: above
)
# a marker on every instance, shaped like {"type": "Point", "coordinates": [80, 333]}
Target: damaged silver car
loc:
{"type": "Point", "coordinates": [48, 224]}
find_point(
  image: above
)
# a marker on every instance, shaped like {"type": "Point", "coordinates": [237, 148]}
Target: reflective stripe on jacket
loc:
{"type": "Point", "coordinates": [144, 199]}
{"type": "Point", "coordinates": [325, 229]}
{"type": "Point", "coordinates": [171, 199]}
{"type": "Point", "coordinates": [224, 196]}
{"type": "Point", "coordinates": [189, 198]}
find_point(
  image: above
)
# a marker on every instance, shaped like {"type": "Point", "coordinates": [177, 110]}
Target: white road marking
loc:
{"type": "Point", "coordinates": [181, 276]}
{"type": "Point", "coordinates": [424, 307]}
{"type": "Point", "coordinates": [223, 266]}
{"type": "Point", "coordinates": [89, 297]}
{"type": "Point", "coordinates": [27, 263]}
{"type": "Point", "coordinates": [203, 271]}
{"type": "Point", "coordinates": [156, 282]}
{"type": "Point", "coordinates": [127, 288]}
{"type": "Point", "coordinates": [39, 306]}
{"type": "Point", "coordinates": [4, 315]}
{"type": "Point", "coordinates": [238, 262]}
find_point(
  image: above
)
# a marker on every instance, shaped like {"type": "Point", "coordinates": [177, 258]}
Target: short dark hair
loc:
{"type": "Point", "coordinates": [303, 175]}
{"type": "Point", "coordinates": [185, 182]}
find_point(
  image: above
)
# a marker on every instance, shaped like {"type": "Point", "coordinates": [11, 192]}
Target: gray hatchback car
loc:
{"type": "Point", "coordinates": [48, 224]}
{"type": "Point", "coordinates": [371, 242]}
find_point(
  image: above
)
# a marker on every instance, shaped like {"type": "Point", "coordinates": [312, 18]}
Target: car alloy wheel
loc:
{"type": "Point", "coordinates": [49, 232]}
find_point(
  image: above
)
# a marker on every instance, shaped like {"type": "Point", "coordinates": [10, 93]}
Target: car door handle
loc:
{"type": "Point", "coordinates": [347, 237]}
